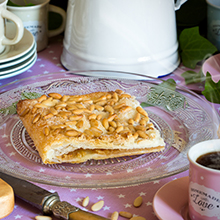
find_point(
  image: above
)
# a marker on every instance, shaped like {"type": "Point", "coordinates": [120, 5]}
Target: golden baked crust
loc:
{"type": "Point", "coordinates": [93, 126]}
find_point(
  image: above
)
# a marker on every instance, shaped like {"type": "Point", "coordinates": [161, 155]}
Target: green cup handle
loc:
{"type": "Point", "coordinates": [60, 29]}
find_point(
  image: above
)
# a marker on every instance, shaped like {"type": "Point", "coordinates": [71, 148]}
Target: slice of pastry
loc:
{"type": "Point", "coordinates": [100, 125]}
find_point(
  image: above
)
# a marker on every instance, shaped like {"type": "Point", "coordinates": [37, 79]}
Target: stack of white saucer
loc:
{"type": "Point", "coordinates": [16, 59]}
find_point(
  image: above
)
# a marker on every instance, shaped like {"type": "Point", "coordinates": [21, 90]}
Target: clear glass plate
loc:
{"type": "Point", "coordinates": [182, 117]}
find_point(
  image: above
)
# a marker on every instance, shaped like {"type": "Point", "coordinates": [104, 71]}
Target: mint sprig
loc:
{"type": "Point", "coordinates": [10, 3]}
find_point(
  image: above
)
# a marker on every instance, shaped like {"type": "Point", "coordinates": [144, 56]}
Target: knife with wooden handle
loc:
{"type": "Point", "coordinates": [48, 202]}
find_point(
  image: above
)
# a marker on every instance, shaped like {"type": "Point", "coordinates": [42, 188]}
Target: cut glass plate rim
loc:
{"type": "Point", "coordinates": [109, 182]}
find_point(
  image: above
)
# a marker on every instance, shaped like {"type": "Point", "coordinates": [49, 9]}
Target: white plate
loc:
{"type": "Point", "coordinates": [22, 47]}
{"type": "Point", "coordinates": [171, 200]}
{"type": "Point", "coordinates": [18, 66]}
{"type": "Point", "coordinates": [21, 70]}
{"type": "Point", "coordinates": [20, 59]}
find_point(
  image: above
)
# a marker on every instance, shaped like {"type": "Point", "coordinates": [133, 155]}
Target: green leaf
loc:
{"type": "Point", "coordinates": [169, 84]}
{"type": "Point", "coordinates": [212, 90]}
{"type": "Point", "coordinates": [164, 95]}
{"type": "Point", "coordinates": [12, 108]}
{"type": "Point", "coordinates": [145, 104]}
{"type": "Point", "coordinates": [30, 95]}
{"type": "Point", "coordinates": [29, 4]}
{"type": "Point", "coordinates": [10, 3]}
{"type": "Point", "coordinates": [9, 110]}
{"type": "Point", "coordinates": [191, 76]}
{"type": "Point", "coordinates": [194, 47]}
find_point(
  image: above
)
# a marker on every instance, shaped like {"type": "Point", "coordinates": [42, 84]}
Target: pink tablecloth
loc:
{"type": "Point", "coordinates": [120, 199]}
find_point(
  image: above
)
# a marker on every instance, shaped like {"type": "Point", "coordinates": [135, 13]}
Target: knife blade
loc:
{"type": "Point", "coordinates": [48, 202]}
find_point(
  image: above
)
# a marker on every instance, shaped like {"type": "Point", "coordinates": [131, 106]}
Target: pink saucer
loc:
{"type": "Point", "coordinates": [171, 200]}
{"type": "Point", "coordinates": [212, 65]}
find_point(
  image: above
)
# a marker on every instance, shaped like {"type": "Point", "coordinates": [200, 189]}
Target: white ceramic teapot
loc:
{"type": "Point", "coordinates": [136, 36]}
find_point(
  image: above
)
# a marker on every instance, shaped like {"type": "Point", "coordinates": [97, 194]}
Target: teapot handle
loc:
{"type": "Point", "coordinates": [179, 3]}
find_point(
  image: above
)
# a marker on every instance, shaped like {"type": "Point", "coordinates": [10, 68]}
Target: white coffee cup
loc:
{"type": "Point", "coordinates": [5, 14]}
{"type": "Point", "coordinates": [35, 19]}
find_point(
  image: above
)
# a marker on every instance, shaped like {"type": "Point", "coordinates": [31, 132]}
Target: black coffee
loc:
{"type": "Point", "coordinates": [210, 160]}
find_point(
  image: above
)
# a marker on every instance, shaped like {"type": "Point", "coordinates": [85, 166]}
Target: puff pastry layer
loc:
{"type": "Point", "coordinates": [77, 128]}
